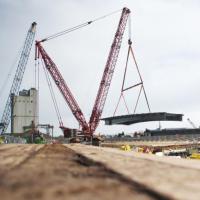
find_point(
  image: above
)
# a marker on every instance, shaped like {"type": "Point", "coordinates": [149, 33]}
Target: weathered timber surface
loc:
{"type": "Point", "coordinates": [47, 172]}
{"type": "Point", "coordinates": [13, 155]}
{"type": "Point", "coordinates": [173, 177]}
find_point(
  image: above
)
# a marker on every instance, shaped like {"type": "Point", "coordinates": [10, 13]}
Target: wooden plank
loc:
{"type": "Point", "coordinates": [177, 178]}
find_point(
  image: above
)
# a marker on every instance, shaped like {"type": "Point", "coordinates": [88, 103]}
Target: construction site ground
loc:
{"type": "Point", "coordinates": [78, 171]}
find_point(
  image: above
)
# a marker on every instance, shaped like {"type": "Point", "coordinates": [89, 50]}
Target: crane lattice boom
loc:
{"type": "Point", "coordinates": [108, 72]}
{"type": "Point", "coordinates": [5, 120]}
{"type": "Point", "coordinates": [61, 84]}
{"type": "Point", "coordinates": [88, 128]}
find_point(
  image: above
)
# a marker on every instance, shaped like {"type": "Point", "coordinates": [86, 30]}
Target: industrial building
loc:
{"type": "Point", "coordinates": [24, 112]}
{"type": "Point", "coordinates": [173, 131]}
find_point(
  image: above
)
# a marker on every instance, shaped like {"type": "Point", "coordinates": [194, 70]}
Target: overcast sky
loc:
{"type": "Point", "coordinates": [166, 43]}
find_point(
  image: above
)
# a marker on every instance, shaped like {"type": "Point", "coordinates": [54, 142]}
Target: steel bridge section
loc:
{"type": "Point", "coordinates": [143, 117]}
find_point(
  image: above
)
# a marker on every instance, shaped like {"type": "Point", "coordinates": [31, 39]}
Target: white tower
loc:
{"type": "Point", "coordinates": [25, 110]}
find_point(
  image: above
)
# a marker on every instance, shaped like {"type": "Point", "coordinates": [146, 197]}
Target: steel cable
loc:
{"type": "Point", "coordinates": [78, 27]}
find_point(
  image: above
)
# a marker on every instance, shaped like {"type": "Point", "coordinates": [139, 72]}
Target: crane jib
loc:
{"type": "Point", "coordinates": [108, 72]}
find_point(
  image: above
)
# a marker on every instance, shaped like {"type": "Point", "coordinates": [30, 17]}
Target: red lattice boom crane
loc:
{"type": "Point", "coordinates": [90, 127]}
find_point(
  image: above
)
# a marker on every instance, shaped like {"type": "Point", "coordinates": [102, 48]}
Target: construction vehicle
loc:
{"type": "Point", "coordinates": [6, 117]}
{"type": "Point", "coordinates": [87, 128]}
{"type": "Point", "coordinates": [125, 147]}
{"type": "Point", "coordinates": [195, 156]}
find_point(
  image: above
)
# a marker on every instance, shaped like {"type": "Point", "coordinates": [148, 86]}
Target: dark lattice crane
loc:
{"type": "Point", "coordinates": [5, 119]}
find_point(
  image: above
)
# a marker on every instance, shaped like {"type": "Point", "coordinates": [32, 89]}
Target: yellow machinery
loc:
{"type": "Point", "coordinates": [1, 141]}
{"type": "Point", "coordinates": [125, 147]}
{"type": "Point", "coordinates": [195, 156]}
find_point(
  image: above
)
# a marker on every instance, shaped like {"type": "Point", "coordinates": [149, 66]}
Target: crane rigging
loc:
{"type": "Point", "coordinates": [88, 128]}
{"type": "Point", "coordinates": [53, 97]}
{"type": "Point", "coordinates": [5, 120]}
{"type": "Point", "coordinates": [139, 84]}
{"type": "Point", "coordinates": [69, 30]}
